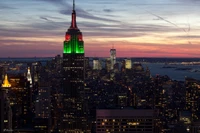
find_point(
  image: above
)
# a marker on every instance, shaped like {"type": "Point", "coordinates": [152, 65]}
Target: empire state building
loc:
{"type": "Point", "coordinates": [73, 59]}
{"type": "Point", "coordinates": [73, 79]}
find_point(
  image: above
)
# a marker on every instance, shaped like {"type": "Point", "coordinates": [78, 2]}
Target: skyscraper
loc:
{"type": "Point", "coordinates": [97, 64]}
{"type": "Point", "coordinates": [128, 63]}
{"type": "Point", "coordinates": [73, 78]}
{"type": "Point", "coordinates": [5, 112]}
{"type": "Point", "coordinates": [29, 78]}
{"type": "Point", "coordinates": [73, 59]}
{"type": "Point", "coordinates": [5, 108]}
{"type": "Point", "coordinates": [112, 57]}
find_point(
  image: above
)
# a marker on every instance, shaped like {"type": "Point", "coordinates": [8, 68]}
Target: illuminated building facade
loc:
{"type": "Point", "coordinates": [73, 60]}
{"type": "Point", "coordinates": [112, 58]}
{"type": "Point", "coordinates": [20, 101]}
{"type": "Point", "coordinates": [126, 120]}
{"type": "Point", "coordinates": [192, 97]}
{"type": "Point", "coordinates": [128, 64]}
{"type": "Point", "coordinates": [5, 108]}
{"type": "Point", "coordinates": [36, 69]}
{"type": "Point", "coordinates": [73, 78]}
{"type": "Point", "coordinates": [43, 108]}
{"type": "Point", "coordinates": [97, 64]}
{"type": "Point", "coordinates": [29, 78]}
{"type": "Point", "coordinates": [6, 83]}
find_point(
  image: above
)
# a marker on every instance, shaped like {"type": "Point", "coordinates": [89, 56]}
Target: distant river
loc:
{"type": "Point", "coordinates": [175, 72]}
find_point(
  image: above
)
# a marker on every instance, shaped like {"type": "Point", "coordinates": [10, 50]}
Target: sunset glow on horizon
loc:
{"type": "Point", "coordinates": [162, 28]}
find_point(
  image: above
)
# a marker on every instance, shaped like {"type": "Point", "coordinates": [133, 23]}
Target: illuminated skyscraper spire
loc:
{"type": "Point", "coordinates": [6, 82]}
{"type": "Point", "coordinates": [73, 38]}
{"type": "Point", "coordinates": [73, 24]}
{"type": "Point", "coordinates": [29, 76]}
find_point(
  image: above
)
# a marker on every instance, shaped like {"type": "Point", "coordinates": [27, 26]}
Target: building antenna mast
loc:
{"type": "Point", "coordinates": [73, 4]}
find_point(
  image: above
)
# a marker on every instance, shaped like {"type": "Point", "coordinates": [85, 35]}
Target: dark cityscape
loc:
{"type": "Point", "coordinates": [75, 93]}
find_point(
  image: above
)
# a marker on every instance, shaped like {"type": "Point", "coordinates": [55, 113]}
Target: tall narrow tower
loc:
{"type": "Point", "coordinates": [73, 78]}
{"type": "Point", "coordinates": [73, 59]}
{"type": "Point", "coordinates": [29, 78]}
{"type": "Point", "coordinates": [112, 57]}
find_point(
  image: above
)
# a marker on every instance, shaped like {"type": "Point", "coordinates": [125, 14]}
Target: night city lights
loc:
{"type": "Point", "coordinates": [73, 66]}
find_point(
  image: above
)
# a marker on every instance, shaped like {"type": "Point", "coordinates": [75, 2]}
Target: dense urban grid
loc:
{"type": "Point", "coordinates": [78, 94]}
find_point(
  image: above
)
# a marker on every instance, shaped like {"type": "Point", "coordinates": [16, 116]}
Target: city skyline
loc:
{"type": "Point", "coordinates": [164, 28]}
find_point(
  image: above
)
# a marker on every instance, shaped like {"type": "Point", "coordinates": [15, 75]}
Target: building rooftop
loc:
{"type": "Point", "coordinates": [126, 112]}
{"type": "Point", "coordinates": [6, 82]}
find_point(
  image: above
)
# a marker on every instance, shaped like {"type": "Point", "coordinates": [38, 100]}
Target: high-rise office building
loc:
{"type": "Point", "coordinates": [29, 78]}
{"type": "Point", "coordinates": [20, 101]}
{"type": "Point", "coordinates": [112, 57]}
{"type": "Point", "coordinates": [108, 64]}
{"type": "Point", "coordinates": [128, 63]}
{"type": "Point", "coordinates": [43, 101]}
{"type": "Point", "coordinates": [126, 121]}
{"type": "Point", "coordinates": [36, 69]}
{"type": "Point", "coordinates": [73, 78]}
{"type": "Point", "coordinates": [73, 60]}
{"type": "Point", "coordinates": [97, 64]}
{"type": "Point", "coordinates": [5, 112]}
{"type": "Point", "coordinates": [191, 97]}
{"type": "Point", "coordinates": [43, 108]}
{"type": "Point", "coordinates": [5, 108]}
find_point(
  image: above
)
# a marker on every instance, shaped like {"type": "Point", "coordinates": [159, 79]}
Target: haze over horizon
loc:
{"type": "Point", "coordinates": [162, 28]}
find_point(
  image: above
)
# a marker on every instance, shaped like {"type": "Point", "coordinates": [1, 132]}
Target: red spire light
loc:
{"type": "Point", "coordinates": [80, 37]}
{"type": "Point", "coordinates": [67, 37]}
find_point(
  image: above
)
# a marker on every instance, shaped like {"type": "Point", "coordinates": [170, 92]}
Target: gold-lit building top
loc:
{"type": "Point", "coordinates": [6, 82]}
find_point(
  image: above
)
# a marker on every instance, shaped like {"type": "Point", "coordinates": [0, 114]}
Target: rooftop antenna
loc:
{"type": "Point", "coordinates": [73, 4]}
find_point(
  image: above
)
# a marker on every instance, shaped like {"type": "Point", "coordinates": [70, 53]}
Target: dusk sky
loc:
{"type": "Point", "coordinates": [136, 28]}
